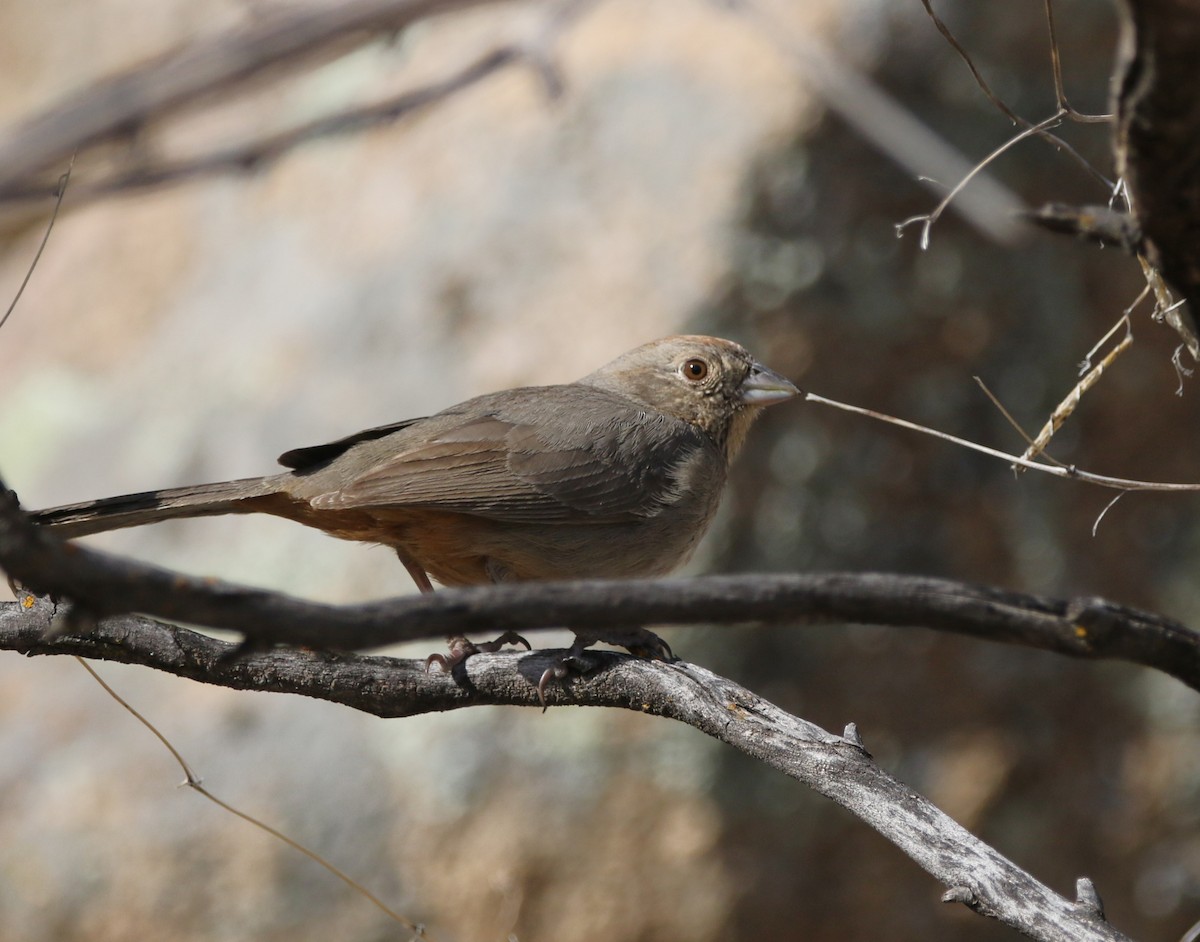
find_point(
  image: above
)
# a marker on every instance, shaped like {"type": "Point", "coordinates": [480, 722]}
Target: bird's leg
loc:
{"type": "Point", "coordinates": [416, 571]}
{"type": "Point", "coordinates": [461, 648]}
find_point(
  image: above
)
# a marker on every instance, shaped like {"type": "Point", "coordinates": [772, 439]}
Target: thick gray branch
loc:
{"type": "Point", "coordinates": [837, 767]}
{"type": "Point", "coordinates": [103, 584]}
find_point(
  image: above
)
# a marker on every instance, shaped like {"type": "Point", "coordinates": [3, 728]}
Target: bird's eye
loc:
{"type": "Point", "coordinates": [695, 369]}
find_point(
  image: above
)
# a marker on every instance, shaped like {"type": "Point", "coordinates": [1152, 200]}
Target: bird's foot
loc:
{"type": "Point", "coordinates": [635, 639]}
{"type": "Point", "coordinates": [461, 649]}
{"type": "Point", "coordinates": [638, 641]}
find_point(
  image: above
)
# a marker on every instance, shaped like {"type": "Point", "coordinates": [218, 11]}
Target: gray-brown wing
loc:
{"type": "Point", "coordinates": [525, 456]}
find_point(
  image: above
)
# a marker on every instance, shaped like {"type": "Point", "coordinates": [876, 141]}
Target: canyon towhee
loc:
{"type": "Point", "coordinates": [615, 475]}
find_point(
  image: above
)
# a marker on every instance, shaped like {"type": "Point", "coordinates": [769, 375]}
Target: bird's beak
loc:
{"type": "Point", "coordinates": [764, 387]}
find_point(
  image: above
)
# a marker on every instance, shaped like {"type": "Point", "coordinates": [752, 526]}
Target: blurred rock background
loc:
{"type": "Point", "coordinates": [687, 179]}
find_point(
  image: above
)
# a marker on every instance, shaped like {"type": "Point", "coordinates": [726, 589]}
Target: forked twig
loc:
{"type": "Point", "coordinates": [1070, 471]}
{"type": "Point", "coordinates": [928, 219]}
{"type": "Point", "coordinates": [1053, 139]}
{"type": "Point", "coordinates": [1060, 94]}
{"type": "Point", "coordinates": [885, 123]}
{"type": "Point", "coordinates": [1008, 416]}
{"type": "Point", "coordinates": [1070, 402]}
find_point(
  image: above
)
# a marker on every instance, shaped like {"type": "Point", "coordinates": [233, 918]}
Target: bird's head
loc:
{"type": "Point", "coordinates": [714, 384]}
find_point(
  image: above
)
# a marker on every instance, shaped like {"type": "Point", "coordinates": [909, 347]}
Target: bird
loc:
{"type": "Point", "coordinates": [615, 475]}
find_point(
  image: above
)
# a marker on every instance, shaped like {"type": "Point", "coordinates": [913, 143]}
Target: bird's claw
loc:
{"type": "Point", "coordinates": [441, 661]}
{"type": "Point", "coordinates": [652, 650]}
{"type": "Point", "coordinates": [575, 661]}
{"type": "Point", "coordinates": [461, 649]}
{"type": "Point", "coordinates": [638, 641]}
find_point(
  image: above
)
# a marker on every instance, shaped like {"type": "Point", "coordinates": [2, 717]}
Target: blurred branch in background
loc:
{"type": "Point", "coordinates": [255, 155]}
{"type": "Point", "coordinates": [131, 105]}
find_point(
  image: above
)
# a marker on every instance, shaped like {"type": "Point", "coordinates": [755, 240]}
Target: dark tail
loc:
{"type": "Point", "coordinates": [132, 510]}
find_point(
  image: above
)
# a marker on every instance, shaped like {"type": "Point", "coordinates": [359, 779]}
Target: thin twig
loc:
{"type": "Point", "coordinates": [1125, 319]}
{"type": "Point", "coordinates": [885, 123]}
{"type": "Point", "coordinates": [991, 96]}
{"type": "Point", "coordinates": [1107, 507]}
{"type": "Point", "coordinates": [1066, 408]}
{"type": "Point", "coordinates": [928, 219]}
{"type": "Point", "coordinates": [1166, 308]}
{"type": "Point", "coordinates": [995, 400]}
{"type": "Point", "coordinates": [1053, 139]}
{"type": "Point", "coordinates": [192, 781]}
{"type": "Point", "coordinates": [59, 192]}
{"type": "Point", "coordinates": [1060, 94]}
{"type": "Point", "coordinates": [1070, 471]}
{"type": "Point", "coordinates": [189, 777]}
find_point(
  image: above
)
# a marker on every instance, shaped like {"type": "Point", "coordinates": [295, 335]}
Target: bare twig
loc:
{"type": "Point", "coordinates": [991, 96]}
{"type": "Point", "coordinates": [1125, 320]}
{"type": "Point", "coordinates": [1091, 373]}
{"type": "Point", "coordinates": [59, 192]}
{"type": "Point", "coordinates": [1167, 309]}
{"type": "Point", "coordinates": [1008, 417]}
{"type": "Point", "coordinates": [1070, 402]}
{"type": "Point", "coordinates": [194, 782]}
{"type": "Point", "coordinates": [928, 219]}
{"type": "Point", "coordinates": [1107, 507]}
{"type": "Point", "coordinates": [989, 206]}
{"type": "Point", "coordinates": [1060, 94]}
{"type": "Point", "coordinates": [1057, 142]}
{"type": "Point", "coordinates": [1070, 471]}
